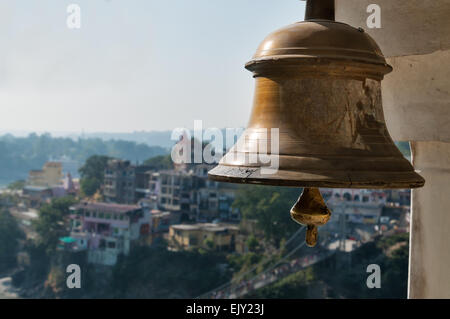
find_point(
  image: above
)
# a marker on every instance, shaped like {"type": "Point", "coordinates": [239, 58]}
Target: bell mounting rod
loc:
{"type": "Point", "coordinates": [320, 9]}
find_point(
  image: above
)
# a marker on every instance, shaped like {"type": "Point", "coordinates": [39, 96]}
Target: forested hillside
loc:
{"type": "Point", "coordinates": [18, 155]}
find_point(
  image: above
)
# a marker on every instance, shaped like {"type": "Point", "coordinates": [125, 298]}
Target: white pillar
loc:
{"type": "Point", "coordinates": [415, 36]}
{"type": "Point", "coordinates": [430, 227]}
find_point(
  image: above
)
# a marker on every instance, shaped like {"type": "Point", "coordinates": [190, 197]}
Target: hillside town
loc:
{"type": "Point", "coordinates": [139, 205]}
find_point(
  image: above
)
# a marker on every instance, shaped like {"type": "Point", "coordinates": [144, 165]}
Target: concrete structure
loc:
{"type": "Point", "coordinates": [415, 36]}
{"type": "Point", "coordinates": [356, 213]}
{"type": "Point", "coordinates": [69, 166]}
{"type": "Point", "coordinates": [186, 190]}
{"type": "Point", "coordinates": [205, 235]}
{"type": "Point", "coordinates": [108, 230]}
{"type": "Point", "coordinates": [119, 183]}
{"type": "Point", "coordinates": [35, 196]}
{"type": "Point", "coordinates": [193, 194]}
{"type": "Point", "coordinates": [360, 206]}
{"type": "Point", "coordinates": [50, 175]}
{"type": "Point", "coordinates": [143, 176]}
{"type": "Point", "coordinates": [176, 190]}
{"type": "Point", "coordinates": [161, 222]}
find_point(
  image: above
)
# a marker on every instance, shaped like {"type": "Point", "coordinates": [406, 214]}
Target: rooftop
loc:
{"type": "Point", "coordinates": [205, 226]}
{"type": "Point", "coordinates": [107, 207]}
{"type": "Point", "coordinates": [36, 188]}
{"type": "Point", "coordinates": [67, 240]}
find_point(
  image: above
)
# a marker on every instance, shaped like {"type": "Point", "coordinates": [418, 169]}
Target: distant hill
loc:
{"type": "Point", "coordinates": [22, 151]}
{"type": "Point", "coordinates": [161, 139]}
{"type": "Point", "coordinates": [151, 138]}
{"type": "Point", "coordinates": [18, 155]}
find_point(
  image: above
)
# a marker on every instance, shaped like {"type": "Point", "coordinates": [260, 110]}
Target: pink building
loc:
{"type": "Point", "coordinates": [107, 230]}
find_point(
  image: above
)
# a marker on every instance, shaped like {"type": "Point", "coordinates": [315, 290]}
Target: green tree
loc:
{"type": "Point", "coordinates": [270, 207]}
{"type": "Point", "coordinates": [160, 162]}
{"type": "Point", "coordinates": [209, 243]}
{"type": "Point", "coordinates": [155, 272]}
{"type": "Point", "coordinates": [51, 223]}
{"type": "Point", "coordinates": [92, 174]}
{"type": "Point", "coordinates": [10, 234]}
{"type": "Point", "coordinates": [90, 185]}
{"type": "Point", "coordinates": [294, 286]}
{"type": "Point", "coordinates": [17, 185]}
{"type": "Point", "coordinates": [252, 243]}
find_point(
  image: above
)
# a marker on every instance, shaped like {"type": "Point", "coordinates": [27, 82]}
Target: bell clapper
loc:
{"type": "Point", "coordinates": [312, 233]}
{"type": "Point", "coordinates": [311, 210]}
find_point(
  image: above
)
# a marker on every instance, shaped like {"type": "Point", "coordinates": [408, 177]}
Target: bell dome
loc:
{"type": "Point", "coordinates": [316, 40]}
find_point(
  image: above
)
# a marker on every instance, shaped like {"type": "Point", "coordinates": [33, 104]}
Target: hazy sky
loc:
{"type": "Point", "coordinates": [133, 64]}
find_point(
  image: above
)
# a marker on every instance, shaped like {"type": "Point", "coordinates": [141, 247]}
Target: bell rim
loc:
{"type": "Point", "coordinates": [319, 179]}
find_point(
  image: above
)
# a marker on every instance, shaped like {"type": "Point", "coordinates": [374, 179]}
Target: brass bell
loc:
{"type": "Point", "coordinates": [318, 82]}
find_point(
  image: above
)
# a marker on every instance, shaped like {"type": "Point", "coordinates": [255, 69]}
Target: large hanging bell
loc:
{"type": "Point", "coordinates": [318, 84]}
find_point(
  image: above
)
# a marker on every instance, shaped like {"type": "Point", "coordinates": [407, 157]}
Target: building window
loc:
{"type": "Point", "coordinates": [193, 241]}
{"type": "Point", "coordinates": [111, 244]}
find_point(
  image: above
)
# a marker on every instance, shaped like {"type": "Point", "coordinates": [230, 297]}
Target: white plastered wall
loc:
{"type": "Point", "coordinates": [415, 37]}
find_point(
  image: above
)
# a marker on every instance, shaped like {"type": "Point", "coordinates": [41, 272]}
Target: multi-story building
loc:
{"type": "Point", "coordinates": [188, 192]}
{"type": "Point", "coordinates": [143, 176]}
{"type": "Point", "coordinates": [355, 212]}
{"type": "Point", "coordinates": [154, 184]}
{"type": "Point", "coordinates": [35, 196]}
{"type": "Point", "coordinates": [69, 166]}
{"type": "Point", "coordinates": [50, 175]}
{"type": "Point", "coordinates": [161, 222]}
{"type": "Point", "coordinates": [399, 196]}
{"type": "Point", "coordinates": [360, 205]}
{"type": "Point", "coordinates": [119, 182]}
{"type": "Point", "coordinates": [107, 230]}
{"type": "Point", "coordinates": [194, 195]}
{"type": "Point", "coordinates": [221, 237]}
{"type": "Point", "coordinates": [176, 190]}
